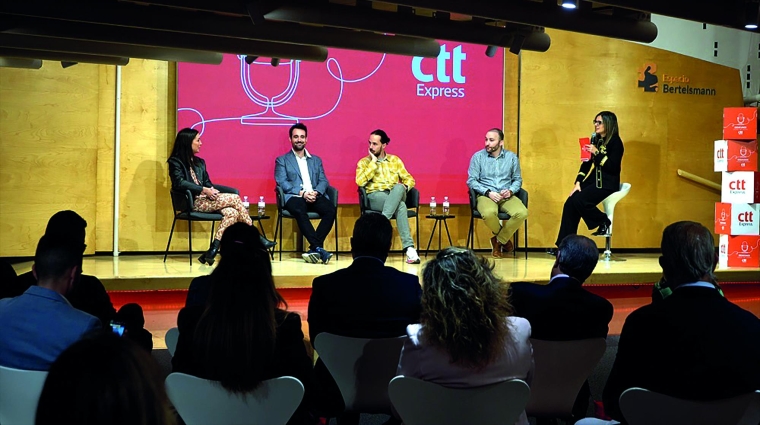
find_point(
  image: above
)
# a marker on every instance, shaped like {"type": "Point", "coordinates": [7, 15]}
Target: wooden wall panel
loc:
{"type": "Point", "coordinates": [48, 151]}
{"type": "Point", "coordinates": [563, 89]}
{"type": "Point", "coordinates": [105, 171]}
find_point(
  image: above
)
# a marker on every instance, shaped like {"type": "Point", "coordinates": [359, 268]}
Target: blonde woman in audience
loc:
{"type": "Point", "coordinates": [243, 335]}
{"type": "Point", "coordinates": [466, 337]}
{"type": "Point", "coordinates": [104, 380]}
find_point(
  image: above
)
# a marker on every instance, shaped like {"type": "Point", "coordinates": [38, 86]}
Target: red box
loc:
{"type": "Point", "coordinates": [740, 123]}
{"type": "Point", "coordinates": [735, 155]}
{"type": "Point", "coordinates": [737, 219]}
{"type": "Point", "coordinates": [739, 251]}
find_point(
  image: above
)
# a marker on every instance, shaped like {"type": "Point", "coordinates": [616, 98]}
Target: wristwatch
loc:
{"type": "Point", "coordinates": [487, 192]}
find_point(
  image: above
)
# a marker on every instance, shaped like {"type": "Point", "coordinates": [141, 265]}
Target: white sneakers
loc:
{"type": "Point", "coordinates": [411, 256]}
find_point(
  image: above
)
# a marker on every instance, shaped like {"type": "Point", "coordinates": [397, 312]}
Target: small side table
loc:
{"type": "Point", "coordinates": [438, 219]}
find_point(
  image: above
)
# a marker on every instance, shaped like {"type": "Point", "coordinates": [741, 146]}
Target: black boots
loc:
{"type": "Point", "coordinates": [208, 256]}
{"type": "Point", "coordinates": [266, 242]}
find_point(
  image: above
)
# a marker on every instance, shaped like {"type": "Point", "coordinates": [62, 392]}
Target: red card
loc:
{"type": "Point", "coordinates": [585, 155]}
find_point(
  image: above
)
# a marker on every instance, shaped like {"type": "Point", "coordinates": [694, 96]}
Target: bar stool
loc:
{"type": "Point", "coordinates": [609, 208]}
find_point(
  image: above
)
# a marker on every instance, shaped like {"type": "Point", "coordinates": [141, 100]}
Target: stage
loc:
{"type": "Point", "coordinates": [161, 287]}
{"type": "Point", "coordinates": [149, 272]}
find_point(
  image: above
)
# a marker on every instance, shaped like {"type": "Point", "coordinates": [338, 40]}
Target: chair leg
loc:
{"type": "Point", "coordinates": [190, 240]}
{"type": "Point", "coordinates": [417, 219]}
{"type": "Point", "coordinates": [607, 255]}
{"type": "Point", "coordinates": [170, 239]}
{"type": "Point", "coordinates": [470, 243]}
{"type": "Point", "coordinates": [526, 238]}
{"type": "Point", "coordinates": [279, 227]}
{"type": "Point", "coordinates": [336, 235]}
{"type": "Point", "coordinates": [213, 224]}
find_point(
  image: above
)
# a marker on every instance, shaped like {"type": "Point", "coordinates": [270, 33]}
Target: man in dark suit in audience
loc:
{"type": "Point", "coordinates": [563, 310]}
{"type": "Point", "coordinates": [40, 324]}
{"type": "Point", "coordinates": [365, 300]}
{"type": "Point", "coordinates": [694, 343]}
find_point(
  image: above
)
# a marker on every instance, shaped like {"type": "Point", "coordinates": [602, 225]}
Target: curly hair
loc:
{"type": "Point", "coordinates": [464, 307]}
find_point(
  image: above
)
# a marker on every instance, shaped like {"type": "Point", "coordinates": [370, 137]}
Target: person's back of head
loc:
{"type": "Point", "coordinates": [688, 253]}
{"type": "Point", "coordinates": [372, 236]}
{"type": "Point", "coordinates": [57, 263]}
{"type": "Point", "coordinates": [67, 225]}
{"type": "Point", "coordinates": [103, 380]}
{"type": "Point", "coordinates": [577, 257]}
{"type": "Point", "coordinates": [464, 307]}
{"type": "Point", "coordinates": [235, 337]}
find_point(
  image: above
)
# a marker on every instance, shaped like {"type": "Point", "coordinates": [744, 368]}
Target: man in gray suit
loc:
{"type": "Point", "coordinates": [304, 183]}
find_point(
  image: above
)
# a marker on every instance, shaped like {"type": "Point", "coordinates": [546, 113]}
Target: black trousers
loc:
{"type": "Point", "coordinates": [299, 208]}
{"type": "Point", "coordinates": [582, 205]}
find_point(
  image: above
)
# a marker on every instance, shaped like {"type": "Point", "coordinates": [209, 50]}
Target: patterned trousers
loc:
{"type": "Point", "coordinates": [229, 205]}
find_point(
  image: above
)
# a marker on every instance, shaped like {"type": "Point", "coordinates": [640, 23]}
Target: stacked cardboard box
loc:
{"type": "Point", "coordinates": [737, 216]}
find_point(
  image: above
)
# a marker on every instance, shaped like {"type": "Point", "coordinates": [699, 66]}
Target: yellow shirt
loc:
{"type": "Point", "coordinates": [382, 174]}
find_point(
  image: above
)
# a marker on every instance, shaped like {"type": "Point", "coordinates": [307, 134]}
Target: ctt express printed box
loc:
{"type": "Point", "coordinates": [737, 219]}
{"type": "Point", "coordinates": [739, 251]}
{"type": "Point", "coordinates": [735, 155]}
{"type": "Point", "coordinates": [740, 123]}
{"type": "Point", "coordinates": [738, 187]}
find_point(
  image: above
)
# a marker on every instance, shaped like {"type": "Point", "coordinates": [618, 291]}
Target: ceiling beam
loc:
{"type": "Point", "coordinates": [238, 28]}
{"type": "Point", "coordinates": [62, 56]}
{"type": "Point", "coordinates": [107, 49]}
{"type": "Point", "coordinates": [411, 25]}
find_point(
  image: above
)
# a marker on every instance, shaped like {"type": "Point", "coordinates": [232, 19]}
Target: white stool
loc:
{"type": "Point", "coordinates": [609, 208]}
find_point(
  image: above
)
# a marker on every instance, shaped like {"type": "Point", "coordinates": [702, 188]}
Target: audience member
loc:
{"type": "Point", "coordinates": [132, 318]}
{"type": "Point", "coordinates": [466, 336]}
{"type": "Point", "coordinates": [89, 294]}
{"type": "Point", "coordinates": [693, 344]}
{"type": "Point", "coordinates": [40, 323]}
{"type": "Point", "coordinates": [563, 310]}
{"type": "Point", "coordinates": [104, 380]}
{"type": "Point", "coordinates": [365, 300]}
{"type": "Point", "coordinates": [242, 337]}
{"type": "Point", "coordinates": [8, 280]}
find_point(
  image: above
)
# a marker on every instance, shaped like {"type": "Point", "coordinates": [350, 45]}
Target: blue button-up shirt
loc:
{"type": "Point", "coordinates": [494, 173]}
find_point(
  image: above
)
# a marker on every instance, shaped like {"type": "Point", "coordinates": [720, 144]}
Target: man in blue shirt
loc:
{"type": "Point", "coordinates": [494, 174]}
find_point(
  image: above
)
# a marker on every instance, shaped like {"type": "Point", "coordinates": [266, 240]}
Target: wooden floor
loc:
{"type": "Point", "coordinates": [148, 272]}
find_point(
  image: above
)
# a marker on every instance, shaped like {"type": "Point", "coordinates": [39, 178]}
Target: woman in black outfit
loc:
{"type": "Point", "coordinates": [590, 189]}
{"type": "Point", "coordinates": [243, 335]}
{"type": "Point", "coordinates": [188, 172]}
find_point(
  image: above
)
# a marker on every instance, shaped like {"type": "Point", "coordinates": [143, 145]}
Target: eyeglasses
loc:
{"type": "Point", "coordinates": [598, 123]}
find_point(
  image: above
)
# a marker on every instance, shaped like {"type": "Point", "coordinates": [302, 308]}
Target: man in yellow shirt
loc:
{"type": "Point", "coordinates": [387, 182]}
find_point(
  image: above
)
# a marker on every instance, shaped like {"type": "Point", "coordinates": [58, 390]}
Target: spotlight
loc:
{"type": "Point", "coordinates": [570, 4]}
{"type": "Point", "coordinates": [249, 59]}
{"type": "Point", "coordinates": [66, 64]}
{"type": "Point", "coordinates": [751, 15]}
{"type": "Point", "coordinates": [275, 61]}
{"type": "Point", "coordinates": [491, 51]}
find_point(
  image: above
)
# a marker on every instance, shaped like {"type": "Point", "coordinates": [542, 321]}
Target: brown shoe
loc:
{"type": "Point", "coordinates": [508, 247]}
{"type": "Point", "coordinates": [496, 247]}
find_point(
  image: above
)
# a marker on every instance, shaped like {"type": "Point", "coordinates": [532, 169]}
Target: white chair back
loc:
{"type": "Point", "coordinates": [561, 369]}
{"type": "Point", "coordinates": [362, 368]}
{"type": "Point", "coordinates": [420, 402]}
{"type": "Point", "coordinates": [19, 393]}
{"type": "Point", "coordinates": [609, 202]}
{"type": "Point", "coordinates": [644, 407]}
{"type": "Point", "coordinates": [201, 402]}
{"type": "Point", "coordinates": [171, 338]}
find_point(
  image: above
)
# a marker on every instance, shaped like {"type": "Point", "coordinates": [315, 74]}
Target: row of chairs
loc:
{"type": "Point", "coordinates": [182, 204]}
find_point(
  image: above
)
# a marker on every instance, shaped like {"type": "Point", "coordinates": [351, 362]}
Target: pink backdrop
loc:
{"type": "Point", "coordinates": [436, 112]}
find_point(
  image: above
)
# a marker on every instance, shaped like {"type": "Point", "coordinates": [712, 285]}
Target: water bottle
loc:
{"type": "Point", "coordinates": [262, 206]}
{"type": "Point", "coordinates": [445, 205]}
{"type": "Point", "coordinates": [246, 204]}
{"type": "Point", "coordinates": [432, 205]}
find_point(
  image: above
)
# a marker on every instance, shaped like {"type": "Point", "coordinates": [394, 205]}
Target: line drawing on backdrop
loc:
{"type": "Point", "coordinates": [270, 116]}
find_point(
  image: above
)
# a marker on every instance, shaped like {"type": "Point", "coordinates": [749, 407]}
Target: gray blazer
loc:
{"type": "Point", "coordinates": [288, 175]}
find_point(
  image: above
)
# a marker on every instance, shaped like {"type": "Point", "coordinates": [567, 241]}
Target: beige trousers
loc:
{"type": "Point", "coordinates": [490, 212]}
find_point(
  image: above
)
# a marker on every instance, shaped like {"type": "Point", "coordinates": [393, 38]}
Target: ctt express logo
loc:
{"type": "Point", "coordinates": [746, 218]}
{"type": "Point", "coordinates": [448, 67]}
{"type": "Point", "coordinates": [737, 186]}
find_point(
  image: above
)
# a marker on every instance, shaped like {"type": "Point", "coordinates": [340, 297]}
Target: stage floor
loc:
{"type": "Point", "coordinates": [150, 272]}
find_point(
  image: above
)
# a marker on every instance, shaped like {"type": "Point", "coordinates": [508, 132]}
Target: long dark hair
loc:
{"type": "Point", "coordinates": [234, 341]}
{"type": "Point", "coordinates": [183, 146]}
{"type": "Point", "coordinates": [464, 307]}
{"type": "Point", "coordinates": [610, 125]}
